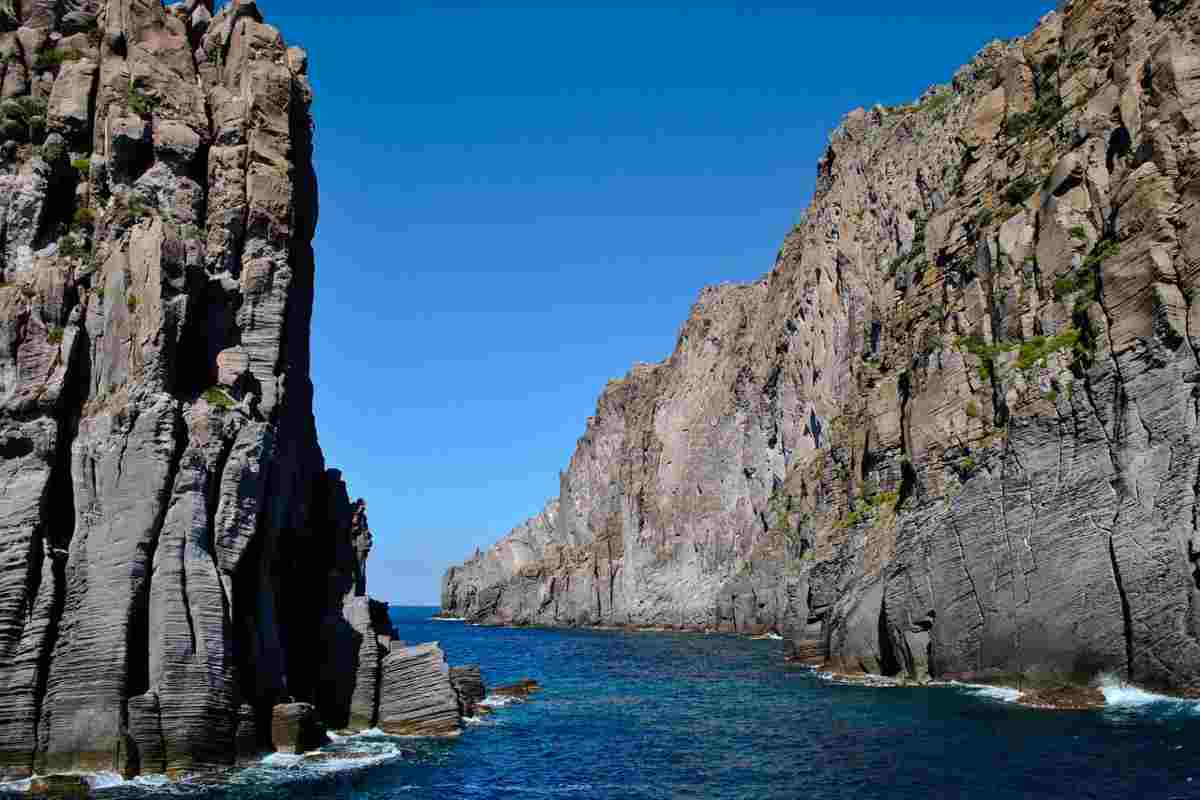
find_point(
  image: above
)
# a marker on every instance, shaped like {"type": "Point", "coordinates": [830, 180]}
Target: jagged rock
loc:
{"type": "Point", "coordinates": [468, 685]}
{"type": "Point", "coordinates": [296, 728]}
{"type": "Point", "coordinates": [951, 433]}
{"type": "Point", "coordinates": [170, 538]}
{"type": "Point", "coordinates": [416, 695]}
{"type": "Point", "coordinates": [69, 109]}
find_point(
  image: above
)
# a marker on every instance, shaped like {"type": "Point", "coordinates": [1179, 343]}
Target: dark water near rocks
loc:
{"type": "Point", "coordinates": [642, 715]}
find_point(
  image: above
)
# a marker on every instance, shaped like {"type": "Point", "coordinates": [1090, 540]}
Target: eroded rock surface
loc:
{"type": "Point", "coordinates": [182, 582]}
{"type": "Point", "coordinates": [417, 697]}
{"type": "Point", "coordinates": [954, 430]}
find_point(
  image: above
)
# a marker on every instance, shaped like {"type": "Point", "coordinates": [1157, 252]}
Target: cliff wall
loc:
{"type": "Point", "coordinates": [182, 582]}
{"type": "Point", "coordinates": [953, 431]}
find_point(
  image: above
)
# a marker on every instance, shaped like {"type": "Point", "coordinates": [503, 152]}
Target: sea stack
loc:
{"type": "Point", "coordinates": [953, 431]}
{"type": "Point", "coordinates": [182, 581]}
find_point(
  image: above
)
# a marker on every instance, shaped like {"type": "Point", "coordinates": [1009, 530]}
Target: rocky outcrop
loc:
{"type": "Point", "coordinates": [468, 685]}
{"type": "Point", "coordinates": [182, 582]}
{"type": "Point", "coordinates": [953, 431]}
{"type": "Point", "coordinates": [417, 697]}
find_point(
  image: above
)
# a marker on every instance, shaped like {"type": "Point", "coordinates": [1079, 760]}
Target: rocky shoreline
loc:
{"type": "Point", "coordinates": [183, 581]}
{"type": "Point", "coordinates": [951, 431]}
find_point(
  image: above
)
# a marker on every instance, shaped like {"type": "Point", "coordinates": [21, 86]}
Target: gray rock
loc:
{"type": "Point", "coordinates": [170, 538]}
{"type": "Point", "coordinates": [468, 685]}
{"type": "Point", "coordinates": [417, 697]}
{"type": "Point", "coordinates": [951, 433]}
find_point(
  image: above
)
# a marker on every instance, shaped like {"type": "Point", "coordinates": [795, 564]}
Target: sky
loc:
{"type": "Point", "coordinates": [518, 204]}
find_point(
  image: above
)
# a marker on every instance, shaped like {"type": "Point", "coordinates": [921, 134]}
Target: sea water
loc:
{"type": "Point", "coordinates": [661, 715]}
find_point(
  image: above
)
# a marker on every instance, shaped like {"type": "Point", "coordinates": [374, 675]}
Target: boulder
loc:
{"type": "Point", "coordinates": [416, 696]}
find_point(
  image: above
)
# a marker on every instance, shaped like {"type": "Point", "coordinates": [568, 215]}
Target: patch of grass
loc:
{"type": "Point", "coordinates": [1021, 190]}
{"type": "Point", "coordinates": [1048, 110]}
{"type": "Point", "coordinates": [1034, 352]}
{"type": "Point", "coordinates": [53, 153]}
{"type": "Point", "coordinates": [972, 409]}
{"type": "Point", "coordinates": [1075, 58]}
{"type": "Point", "coordinates": [83, 217]}
{"type": "Point", "coordinates": [23, 118]}
{"type": "Point", "coordinates": [83, 166]}
{"type": "Point", "coordinates": [140, 103]}
{"type": "Point", "coordinates": [55, 58]}
{"type": "Point", "coordinates": [1078, 232]}
{"type": "Point", "coordinates": [937, 106]}
{"type": "Point", "coordinates": [70, 246]}
{"type": "Point", "coordinates": [54, 335]}
{"type": "Point", "coordinates": [1165, 8]}
{"type": "Point", "coordinates": [132, 302]}
{"type": "Point", "coordinates": [219, 399]}
{"type": "Point", "coordinates": [1084, 282]}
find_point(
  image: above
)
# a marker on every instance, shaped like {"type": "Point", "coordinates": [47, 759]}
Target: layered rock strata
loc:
{"type": "Point", "coordinates": [418, 696]}
{"type": "Point", "coordinates": [170, 539]}
{"type": "Point", "coordinates": [954, 430]}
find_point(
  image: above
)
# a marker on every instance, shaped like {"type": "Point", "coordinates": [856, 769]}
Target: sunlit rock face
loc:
{"type": "Point", "coordinates": [182, 582]}
{"type": "Point", "coordinates": [953, 431]}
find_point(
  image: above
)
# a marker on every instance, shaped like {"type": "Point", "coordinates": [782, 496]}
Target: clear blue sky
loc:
{"type": "Point", "coordinates": [517, 204]}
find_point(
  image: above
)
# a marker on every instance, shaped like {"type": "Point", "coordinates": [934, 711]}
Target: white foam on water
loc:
{"type": "Point", "coordinates": [21, 786]}
{"type": "Point", "coordinates": [282, 760]}
{"type": "Point", "coordinates": [372, 733]}
{"type": "Point", "coordinates": [874, 681]}
{"type": "Point", "coordinates": [1120, 695]}
{"type": "Point", "coordinates": [449, 619]}
{"type": "Point", "coordinates": [357, 761]}
{"type": "Point", "coordinates": [498, 702]}
{"type": "Point", "coordinates": [1004, 694]}
{"type": "Point", "coordinates": [484, 720]}
{"type": "Point", "coordinates": [104, 780]}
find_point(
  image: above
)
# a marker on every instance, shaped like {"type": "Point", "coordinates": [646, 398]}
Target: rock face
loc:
{"type": "Point", "coordinates": [954, 430]}
{"type": "Point", "coordinates": [171, 542]}
{"type": "Point", "coordinates": [417, 696]}
{"type": "Point", "coordinates": [468, 685]}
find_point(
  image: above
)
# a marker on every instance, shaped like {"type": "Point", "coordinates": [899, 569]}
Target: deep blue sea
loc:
{"type": "Point", "coordinates": [655, 716]}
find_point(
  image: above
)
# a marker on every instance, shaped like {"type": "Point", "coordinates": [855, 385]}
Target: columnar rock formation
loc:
{"type": "Point", "coordinates": [954, 430]}
{"type": "Point", "coordinates": [170, 540]}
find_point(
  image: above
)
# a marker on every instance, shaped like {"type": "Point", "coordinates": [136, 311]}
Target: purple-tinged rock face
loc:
{"type": "Point", "coordinates": [952, 432]}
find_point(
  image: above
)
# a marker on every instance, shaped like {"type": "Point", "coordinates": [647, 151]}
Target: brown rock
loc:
{"type": "Point", "coordinates": [950, 431]}
{"type": "Point", "coordinates": [521, 689]}
{"type": "Point", "coordinates": [1064, 698]}
{"type": "Point", "coordinates": [297, 728]}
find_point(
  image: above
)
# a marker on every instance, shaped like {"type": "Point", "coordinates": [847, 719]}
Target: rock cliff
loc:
{"type": "Point", "coordinates": [182, 582]}
{"type": "Point", "coordinates": [954, 430]}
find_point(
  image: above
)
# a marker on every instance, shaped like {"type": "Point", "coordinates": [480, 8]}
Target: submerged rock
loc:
{"type": "Point", "coordinates": [521, 689]}
{"type": "Point", "coordinates": [952, 431]}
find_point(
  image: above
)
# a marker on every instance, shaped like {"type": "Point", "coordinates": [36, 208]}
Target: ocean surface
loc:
{"type": "Point", "coordinates": [657, 716]}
